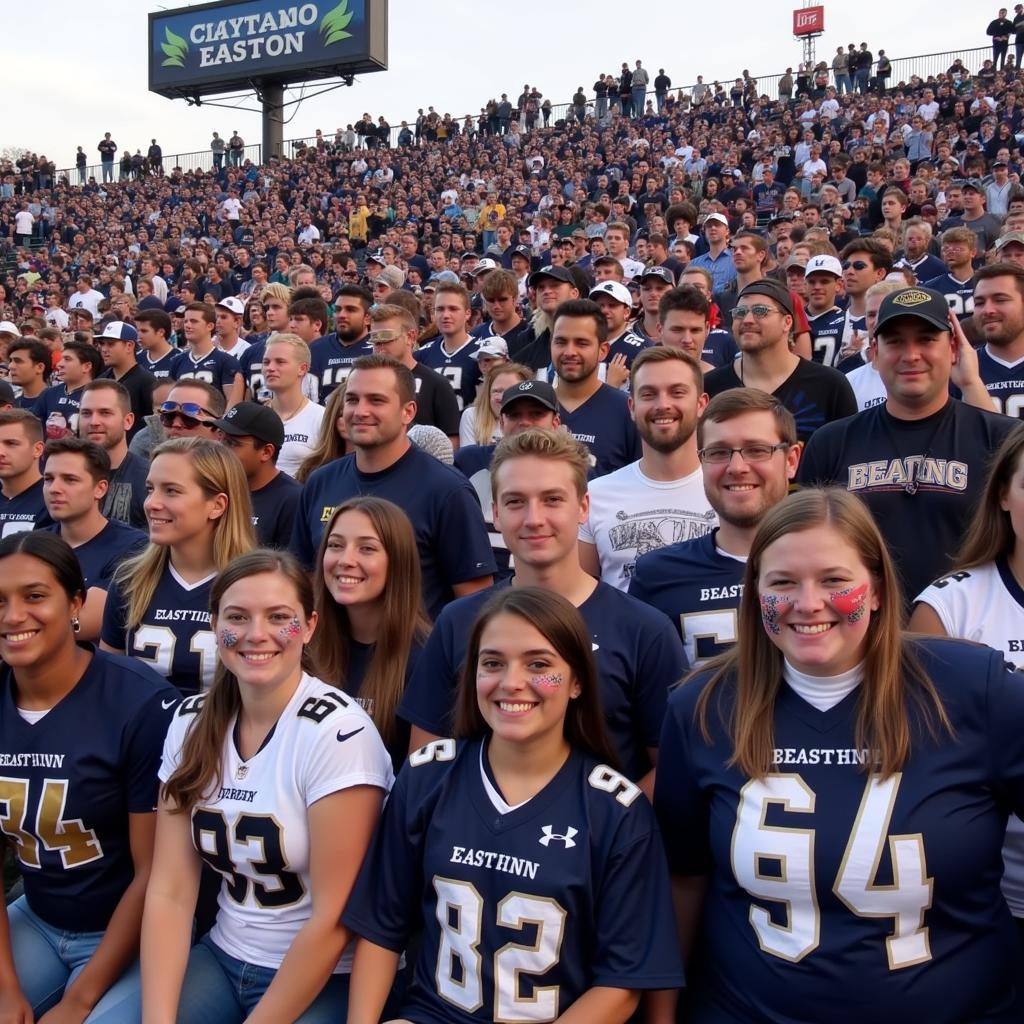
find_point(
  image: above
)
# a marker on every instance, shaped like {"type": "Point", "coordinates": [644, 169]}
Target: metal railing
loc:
{"type": "Point", "coordinates": [903, 69]}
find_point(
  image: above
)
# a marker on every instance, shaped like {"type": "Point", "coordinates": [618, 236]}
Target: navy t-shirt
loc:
{"type": "Point", "coordinates": [127, 493]}
{"type": "Point", "coordinates": [827, 335]}
{"type": "Point", "coordinates": [273, 510]}
{"type": "Point", "coordinates": [158, 368]}
{"type": "Point", "coordinates": [1004, 381]}
{"type": "Point", "coordinates": [100, 557]}
{"type": "Point", "coordinates": [24, 511]}
{"type": "Point", "coordinates": [59, 399]}
{"type": "Point", "coordinates": [251, 362]}
{"type": "Point", "coordinates": [959, 294]}
{"type": "Point", "coordinates": [444, 510]}
{"type": "Point", "coordinates": [604, 425]}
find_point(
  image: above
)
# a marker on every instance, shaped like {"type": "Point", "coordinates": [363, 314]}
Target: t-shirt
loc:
{"type": "Point", "coordinates": [174, 635]}
{"type": "Point", "coordinates": [251, 365]}
{"type": "Point", "coordinates": [631, 514]}
{"type": "Point", "coordinates": [1004, 381]}
{"type": "Point", "coordinates": [868, 386]}
{"type": "Point", "coordinates": [523, 909]}
{"type": "Point", "coordinates": [604, 425]}
{"type": "Point", "coordinates": [100, 557]}
{"type": "Point", "coordinates": [921, 479]}
{"type": "Point", "coordinates": [24, 511]}
{"type": "Point", "coordinates": [71, 780]}
{"type": "Point", "coordinates": [301, 434]}
{"type": "Point", "coordinates": [444, 510]}
{"type": "Point", "coordinates": [331, 361]}
{"type": "Point", "coordinates": [58, 399]}
{"type": "Point", "coordinates": [437, 405]}
{"type": "Point", "coordinates": [139, 385]}
{"type": "Point", "coordinates": [698, 586]}
{"type": "Point", "coordinates": [127, 493]}
{"type": "Point", "coordinates": [273, 511]}
{"type": "Point", "coordinates": [216, 367]}
{"type": "Point", "coordinates": [638, 654]}
{"type": "Point", "coordinates": [814, 394]}
{"type": "Point", "coordinates": [459, 368]}
{"type": "Point", "coordinates": [253, 829]}
{"type": "Point", "coordinates": [890, 884]}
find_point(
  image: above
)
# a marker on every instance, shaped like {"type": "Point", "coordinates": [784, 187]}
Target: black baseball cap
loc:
{"type": "Point", "coordinates": [662, 273]}
{"type": "Point", "coordinates": [557, 273]}
{"type": "Point", "coordinates": [771, 290]}
{"type": "Point", "coordinates": [924, 303]}
{"type": "Point", "coordinates": [524, 251]}
{"type": "Point", "coordinates": [539, 390]}
{"type": "Point", "coordinates": [250, 419]}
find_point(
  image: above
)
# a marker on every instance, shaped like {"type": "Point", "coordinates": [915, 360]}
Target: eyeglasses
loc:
{"type": "Point", "coordinates": [188, 412]}
{"type": "Point", "coordinates": [855, 265]}
{"type": "Point", "coordinates": [719, 456]}
{"type": "Point", "coordinates": [759, 311]}
{"type": "Point", "coordinates": [384, 337]}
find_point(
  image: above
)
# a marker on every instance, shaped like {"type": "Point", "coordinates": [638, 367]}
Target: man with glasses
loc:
{"type": "Point", "coordinates": [747, 445]}
{"type": "Point", "coordinates": [762, 323]}
{"type": "Point", "coordinates": [191, 408]}
{"type": "Point", "coordinates": [118, 344]}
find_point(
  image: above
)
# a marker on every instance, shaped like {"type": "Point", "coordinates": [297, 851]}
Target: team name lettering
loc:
{"type": "Point", "coordinates": [181, 615]}
{"type": "Point", "coordinates": [244, 795]}
{"type": "Point", "coordinates": [825, 755]}
{"type": "Point", "coordinates": [494, 861]}
{"type": "Point", "coordinates": [1015, 645]}
{"type": "Point", "coordinates": [299, 438]}
{"type": "Point", "coordinates": [266, 34]}
{"type": "Point", "coordinates": [326, 513]}
{"type": "Point", "coordinates": [32, 760]}
{"type": "Point", "coordinates": [586, 438]}
{"type": "Point", "coordinates": [896, 473]}
{"type": "Point", "coordinates": [721, 593]}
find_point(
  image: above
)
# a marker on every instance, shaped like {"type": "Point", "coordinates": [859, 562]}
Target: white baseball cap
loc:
{"type": "Point", "coordinates": [619, 292]}
{"type": "Point", "coordinates": [235, 305]}
{"type": "Point", "coordinates": [719, 217]}
{"type": "Point", "coordinates": [493, 346]}
{"type": "Point", "coordinates": [824, 263]}
{"type": "Point", "coordinates": [6, 327]}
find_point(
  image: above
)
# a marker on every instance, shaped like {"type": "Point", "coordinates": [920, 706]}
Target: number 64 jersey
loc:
{"type": "Point", "coordinates": [253, 829]}
{"type": "Point", "coordinates": [834, 892]}
{"type": "Point", "coordinates": [523, 908]}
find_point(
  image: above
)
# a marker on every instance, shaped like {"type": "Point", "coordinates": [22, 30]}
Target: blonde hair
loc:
{"type": "Point", "coordinates": [485, 423]}
{"type": "Point", "coordinates": [299, 348]}
{"type": "Point", "coordinates": [217, 471]}
{"type": "Point", "coordinates": [555, 445]}
{"type": "Point", "coordinates": [276, 291]}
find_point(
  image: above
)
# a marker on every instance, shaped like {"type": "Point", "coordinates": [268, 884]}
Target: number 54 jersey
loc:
{"type": "Point", "coordinates": [253, 828]}
{"type": "Point", "coordinates": [835, 892]}
{"type": "Point", "coordinates": [523, 908]}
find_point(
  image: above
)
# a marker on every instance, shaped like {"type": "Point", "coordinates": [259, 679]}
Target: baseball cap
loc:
{"type": "Point", "coordinates": [250, 419]}
{"type": "Point", "coordinates": [493, 346]}
{"type": "Point", "coordinates": [6, 327]}
{"type": "Point", "coordinates": [795, 261]}
{"type": "Point", "coordinates": [377, 256]}
{"type": "Point", "coordinates": [606, 258]}
{"type": "Point", "coordinates": [485, 265]}
{"type": "Point", "coordinates": [579, 233]}
{"type": "Point", "coordinates": [524, 251]}
{"type": "Point", "coordinates": [7, 396]}
{"type": "Point", "coordinates": [557, 273]}
{"type": "Point", "coordinates": [393, 277]}
{"type": "Point", "coordinates": [771, 290]}
{"type": "Point", "coordinates": [1010, 236]}
{"type": "Point", "coordinates": [118, 330]}
{"type": "Point", "coordinates": [719, 217]}
{"type": "Point", "coordinates": [539, 390]}
{"type": "Point", "coordinates": [235, 305]}
{"type": "Point", "coordinates": [619, 292]}
{"type": "Point", "coordinates": [445, 277]}
{"type": "Point", "coordinates": [662, 273]}
{"type": "Point", "coordinates": [973, 183]}
{"type": "Point", "coordinates": [824, 263]}
{"type": "Point", "coordinates": [924, 303]}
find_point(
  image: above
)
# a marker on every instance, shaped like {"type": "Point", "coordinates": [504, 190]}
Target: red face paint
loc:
{"type": "Point", "coordinates": [851, 602]}
{"type": "Point", "coordinates": [290, 632]}
{"type": "Point", "coordinates": [772, 606]}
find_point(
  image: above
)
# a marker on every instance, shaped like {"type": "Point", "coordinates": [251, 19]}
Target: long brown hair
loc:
{"type": "Point", "coordinates": [752, 670]}
{"type": "Point", "coordinates": [561, 624]}
{"type": "Point", "coordinates": [990, 535]}
{"type": "Point", "coordinates": [403, 622]}
{"type": "Point", "coordinates": [199, 767]}
{"type": "Point", "coordinates": [331, 445]}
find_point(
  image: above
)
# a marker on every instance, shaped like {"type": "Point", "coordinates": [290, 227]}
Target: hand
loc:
{"type": "Point", "coordinates": [853, 346]}
{"type": "Point", "coordinates": [14, 1008]}
{"type": "Point", "coordinates": [67, 1011]}
{"type": "Point", "coordinates": [618, 372]}
{"type": "Point", "coordinates": [965, 370]}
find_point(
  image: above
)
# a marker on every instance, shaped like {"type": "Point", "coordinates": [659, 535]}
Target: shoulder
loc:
{"type": "Point", "coordinates": [427, 769]}
{"type": "Point", "coordinates": [132, 685]}
{"type": "Point", "coordinates": [331, 474]}
{"type": "Point", "coordinates": [629, 613]}
{"type": "Point", "coordinates": [961, 670]}
{"type": "Point", "coordinates": [990, 425]}
{"type": "Point", "coordinates": [624, 477]}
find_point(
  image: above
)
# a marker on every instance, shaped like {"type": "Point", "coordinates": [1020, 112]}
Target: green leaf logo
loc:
{"type": "Point", "coordinates": [175, 49]}
{"type": "Point", "coordinates": [334, 23]}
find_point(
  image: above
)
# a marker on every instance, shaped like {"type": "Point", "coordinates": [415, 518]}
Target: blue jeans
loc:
{"type": "Point", "coordinates": [843, 84]}
{"type": "Point", "coordinates": [863, 74]}
{"type": "Point", "coordinates": [47, 960]}
{"type": "Point", "coordinates": [218, 989]}
{"type": "Point", "coordinates": [639, 92]}
{"type": "Point", "coordinates": [108, 170]}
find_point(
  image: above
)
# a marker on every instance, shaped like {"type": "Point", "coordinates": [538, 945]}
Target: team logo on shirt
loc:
{"type": "Point", "coordinates": [550, 835]}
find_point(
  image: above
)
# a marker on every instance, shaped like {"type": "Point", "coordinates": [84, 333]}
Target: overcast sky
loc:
{"type": "Point", "coordinates": [81, 75]}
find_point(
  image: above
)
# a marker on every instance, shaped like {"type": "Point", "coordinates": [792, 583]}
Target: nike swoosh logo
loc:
{"type": "Point", "coordinates": [342, 736]}
{"type": "Point", "coordinates": [165, 704]}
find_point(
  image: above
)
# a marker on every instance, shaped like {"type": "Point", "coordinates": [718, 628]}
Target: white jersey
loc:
{"type": "Point", "coordinates": [301, 434]}
{"type": "Point", "coordinates": [630, 514]}
{"type": "Point", "coordinates": [986, 604]}
{"type": "Point", "coordinates": [254, 828]}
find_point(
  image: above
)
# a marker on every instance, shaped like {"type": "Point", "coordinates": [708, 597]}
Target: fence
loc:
{"type": "Point", "coordinates": [903, 69]}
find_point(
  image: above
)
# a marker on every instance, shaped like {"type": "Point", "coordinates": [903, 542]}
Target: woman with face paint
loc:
{"type": "Point", "coordinates": [531, 865]}
{"type": "Point", "coordinates": [833, 794]}
{"type": "Point", "coordinates": [274, 780]}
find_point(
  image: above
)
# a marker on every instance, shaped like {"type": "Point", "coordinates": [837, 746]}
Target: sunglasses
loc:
{"type": "Point", "coordinates": [760, 312]}
{"type": "Point", "coordinates": [856, 265]}
{"type": "Point", "coordinates": [190, 414]}
{"type": "Point", "coordinates": [384, 337]}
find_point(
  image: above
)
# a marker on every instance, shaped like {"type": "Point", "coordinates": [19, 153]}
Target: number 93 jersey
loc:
{"type": "Point", "coordinates": [833, 886]}
{"type": "Point", "coordinates": [523, 908]}
{"type": "Point", "coordinates": [69, 780]}
{"type": "Point", "coordinates": [253, 828]}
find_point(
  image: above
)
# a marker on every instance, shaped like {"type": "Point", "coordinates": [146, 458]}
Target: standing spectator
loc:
{"type": "Point", "coordinates": [155, 156]}
{"type": "Point", "coordinates": [600, 99]}
{"type": "Point", "coordinates": [117, 345]}
{"type": "Point", "coordinates": [662, 84]}
{"type": "Point", "coordinates": [638, 88]}
{"type": "Point", "coordinates": [107, 148]}
{"type": "Point", "coordinates": [217, 148]}
{"type": "Point", "coordinates": [999, 29]}
{"type": "Point", "coordinates": [579, 104]}
{"type": "Point", "coordinates": [626, 90]}
{"type": "Point", "coordinates": [865, 60]}
{"type": "Point", "coordinates": [1018, 33]}
{"type": "Point", "coordinates": [883, 70]}
{"type": "Point", "coordinates": [841, 71]}
{"type": "Point", "coordinates": [236, 147]}
{"type": "Point", "coordinates": [785, 87]}
{"type": "Point", "coordinates": [24, 223]}
{"type": "Point", "coordinates": [81, 161]}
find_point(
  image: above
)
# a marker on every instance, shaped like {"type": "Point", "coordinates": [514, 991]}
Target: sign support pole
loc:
{"type": "Point", "coordinates": [273, 120]}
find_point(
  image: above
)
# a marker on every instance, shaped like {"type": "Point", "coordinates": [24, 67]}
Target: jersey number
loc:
{"type": "Point", "coordinates": [708, 634]}
{"type": "Point", "coordinates": [825, 350]}
{"type": "Point", "coordinates": [1012, 406]}
{"type": "Point", "coordinates": [204, 375]}
{"type": "Point", "coordinates": [156, 644]}
{"type": "Point", "coordinates": [776, 864]}
{"type": "Point", "coordinates": [210, 836]}
{"type": "Point", "coordinates": [459, 972]}
{"type": "Point", "coordinates": [76, 844]}
{"type": "Point", "coordinates": [453, 374]}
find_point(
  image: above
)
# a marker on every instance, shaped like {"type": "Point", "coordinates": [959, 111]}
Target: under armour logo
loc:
{"type": "Point", "coordinates": [550, 834]}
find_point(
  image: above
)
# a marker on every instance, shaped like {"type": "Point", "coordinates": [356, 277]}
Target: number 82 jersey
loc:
{"type": "Point", "coordinates": [523, 909]}
{"type": "Point", "coordinates": [831, 885]}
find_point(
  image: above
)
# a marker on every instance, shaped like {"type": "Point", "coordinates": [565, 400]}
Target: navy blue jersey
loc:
{"type": "Point", "coordinates": [720, 348]}
{"type": "Point", "coordinates": [474, 461]}
{"type": "Point", "coordinates": [1004, 381]}
{"type": "Point", "coordinates": [100, 557]}
{"type": "Point", "coordinates": [638, 657]}
{"type": "Point", "coordinates": [698, 588]}
{"type": "Point", "coordinates": [273, 511]}
{"type": "Point", "coordinates": [604, 425]}
{"type": "Point", "coordinates": [522, 910]}
{"type": "Point", "coordinates": [70, 780]}
{"type": "Point", "coordinates": [831, 886]}
{"type": "Point", "coordinates": [216, 367]}
{"type": "Point", "coordinates": [827, 335]}
{"type": "Point", "coordinates": [959, 294]}
{"type": "Point", "coordinates": [460, 369]}
{"type": "Point", "coordinates": [444, 510]}
{"type": "Point", "coordinates": [628, 344]}
{"type": "Point", "coordinates": [174, 636]}
{"type": "Point", "coordinates": [24, 511]}
{"type": "Point", "coordinates": [251, 362]}
{"type": "Point", "coordinates": [158, 368]}
{"type": "Point", "coordinates": [58, 399]}
{"type": "Point", "coordinates": [126, 495]}
{"type": "Point", "coordinates": [331, 361]}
